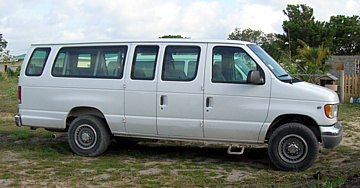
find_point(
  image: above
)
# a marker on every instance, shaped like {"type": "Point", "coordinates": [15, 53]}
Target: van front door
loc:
{"type": "Point", "coordinates": [180, 91]}
{"type": "Point", "coordinates": [234, 109]}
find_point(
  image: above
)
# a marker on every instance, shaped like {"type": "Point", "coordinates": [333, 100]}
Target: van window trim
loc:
{"type": "Point", "coordinates": [48, 51]}
{"type": "Point", "coordinates": [134, 60]}
{"type": "Point", "coordinates": [262, 73]}
{"type": "Point", "coordinates": [196, 69]}
{"type": "Point", "coordinates": [66, 61]}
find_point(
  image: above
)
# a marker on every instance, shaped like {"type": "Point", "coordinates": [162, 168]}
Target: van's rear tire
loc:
{"type": "Point", "coordinates": [293, 147]}
{"type": "Point", "coordinates": [88, 136]}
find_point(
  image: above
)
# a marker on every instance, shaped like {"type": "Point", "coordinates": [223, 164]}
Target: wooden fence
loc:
{"type": "Point", "coordinates": [352, 86]}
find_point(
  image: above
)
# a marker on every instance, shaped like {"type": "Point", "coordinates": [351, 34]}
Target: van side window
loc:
{"type": "Point", "coordinates": [144, 63]}
{"type": "Point", "coordinates": [37, 62]}
{"type": "Point", "coordinates": [232, 65]}
{"type": "Point", "coordinates": [90, 62]}
{"type": "Point", "coordinates": [180, 63]}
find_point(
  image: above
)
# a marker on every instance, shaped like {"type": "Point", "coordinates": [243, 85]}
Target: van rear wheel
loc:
{"type": "Point", "coordinates": [88, 136]}
{"type": "Point", "coordinates": [293, 147]}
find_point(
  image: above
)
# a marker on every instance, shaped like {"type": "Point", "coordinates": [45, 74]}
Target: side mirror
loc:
{"type": "Point", "coordinates": [254, 77]}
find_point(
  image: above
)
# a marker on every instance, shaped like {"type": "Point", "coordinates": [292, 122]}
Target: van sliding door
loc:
{"type": "Point", "coordinates": [180, 91]}
{"type": "Point", "coordinates": [140, 92]}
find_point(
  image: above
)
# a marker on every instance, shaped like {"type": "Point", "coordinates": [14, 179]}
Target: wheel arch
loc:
{"type": "Point", "coordinates": [296, 118]}
{"type": "Point", "coordinates": [84, 110]}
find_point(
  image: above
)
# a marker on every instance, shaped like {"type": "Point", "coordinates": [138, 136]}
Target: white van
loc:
{"type": "Point", "coordinates": [214, 91]}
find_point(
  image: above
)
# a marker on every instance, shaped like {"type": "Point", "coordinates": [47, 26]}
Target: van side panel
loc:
{"type": "Point", "coordinates": [47, 100]}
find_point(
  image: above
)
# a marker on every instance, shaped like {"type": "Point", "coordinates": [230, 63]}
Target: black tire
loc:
{"type": "Point", "coordinates": [88, 136]}
{"type": "Point", "coordinates": [293, 147]}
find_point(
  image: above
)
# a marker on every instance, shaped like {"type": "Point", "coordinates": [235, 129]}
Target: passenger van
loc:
{"type": "Point", "coordinates": [187, 90]}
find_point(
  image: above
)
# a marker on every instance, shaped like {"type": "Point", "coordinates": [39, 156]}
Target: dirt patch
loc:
{"type": "Point", "coordinates": [351, 136]}
{"type": "Point", "coordinates": [150, 171]}
{"type": "Point", "coordinates": [158, 163]}
{"type": "Point", "coordinates": [4, 115]}
{"type": "Point", "coordinates": [236, 175]}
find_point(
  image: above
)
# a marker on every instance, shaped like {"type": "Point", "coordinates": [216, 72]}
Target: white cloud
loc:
{"type": "Point", "coordinates": [352, 7]}
{"type": "Point", "coordinates": [33, 21]}
{"type": "Point", "coordinates": [73, 35]}
{"type": "Point", "coordinates": [257, 17]}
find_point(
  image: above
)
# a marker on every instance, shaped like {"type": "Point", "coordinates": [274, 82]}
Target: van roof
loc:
{"type": "Point", "coordinates": [169, 40]}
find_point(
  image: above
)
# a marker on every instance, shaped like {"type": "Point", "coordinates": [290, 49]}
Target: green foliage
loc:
{"type": "Point", "coordinates": [269, 42]}
{"type": "Point", "coordinates": [306, 43]}
{"type": "Point", "coordinates": [346, 34]}
{"type": "Point", "coordinates": [17, 71]}
{"type": "Point", "coordinates": [275, 51]}
{"type": "Point", "coordinates": [302, 25]}
{"type": "Point", "coordinates": [8, 95]}
{"type": "Point", "coordinates": [296, 15]}
{"type": "Point", "coordinates": [341, 34]}
{"type": "Point", "coordinates": [289, 66]}
{"type": "Point", "coordinates": [312, 60]}
{"type": "Point", "coordinates": [5, 54]}
{"type": "Point", "coordinates": [9, 74]}
{"type": "Point", "coordinates": [173, 36]}
{"type": "Point", "coordinates": [254, 36]}
{"type": "Point", "coordinates": [3, 43]}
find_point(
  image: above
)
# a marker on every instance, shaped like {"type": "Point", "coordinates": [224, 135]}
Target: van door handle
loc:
{"type": "Point", "coordinates": [163, 100]}
{"type": "Point", "coordinates": [209, 102]}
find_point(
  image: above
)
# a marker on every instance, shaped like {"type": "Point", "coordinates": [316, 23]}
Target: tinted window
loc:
{"type": "Point", "coordinates": [180, 63]}
{"type": "Point", "coordinates": [98, 62]}
{"type": "Point", "coordinates": [37, 62]}
{"type": "Point", "coordinates": [232, 65]}
{"type": "Point", "coordinates": [143, 67]}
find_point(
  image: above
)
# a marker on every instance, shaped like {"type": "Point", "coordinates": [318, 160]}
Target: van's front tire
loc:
{"type": "Point", "coordinates": [88, 136]}
{"type": "Point", "coordinates": [293, 147]}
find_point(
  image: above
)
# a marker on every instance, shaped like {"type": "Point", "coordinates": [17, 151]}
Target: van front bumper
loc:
{"type": "Point", "coordinates": [331, 135]}
{"type": "Point", "coordinates": [18, 120]}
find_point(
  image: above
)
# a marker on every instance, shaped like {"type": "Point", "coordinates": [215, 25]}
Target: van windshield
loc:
{"type": "Point", "coordinates": [274, 67]}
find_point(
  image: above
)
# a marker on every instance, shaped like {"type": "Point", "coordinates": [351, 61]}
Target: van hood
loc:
{"type": "Point", "coordinates": [303, 91]}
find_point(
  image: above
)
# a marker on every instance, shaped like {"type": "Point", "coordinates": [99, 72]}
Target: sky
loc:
{"type": "Point", "coordinates": [23, 22]}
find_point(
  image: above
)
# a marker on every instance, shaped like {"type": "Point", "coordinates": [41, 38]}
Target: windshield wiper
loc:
{"type": "Point", "coordinates": [284, 75]}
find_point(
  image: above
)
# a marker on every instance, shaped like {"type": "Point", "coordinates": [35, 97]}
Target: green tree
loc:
{"type": "Point", "coordinates": [3, 43]}
{"type": "Point", "coordinates": [312, 60]}
{"type": "Point", "coordinates": [346, 38]}
{"type": "Point", "coordinates": [275, 51]}
{"type": "Point", "coordinates": [173, 36]}
{"type": "Point", "coordinates": [302, 25]}
{"type": "Point", "coordinates": [269, 42]}
{"type": "Point", "coordinates": [5, 56]}
{"type": "Point", "coordinates": [254, 36]}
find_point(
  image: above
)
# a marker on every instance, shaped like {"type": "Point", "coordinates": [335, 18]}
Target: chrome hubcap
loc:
{"type": "Point", "coordinates": [85, 137]}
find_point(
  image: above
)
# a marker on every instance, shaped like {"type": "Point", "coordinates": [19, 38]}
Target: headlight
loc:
{"type": "Point", "coordinates": [331, 110]}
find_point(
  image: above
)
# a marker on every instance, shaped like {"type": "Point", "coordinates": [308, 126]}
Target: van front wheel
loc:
{"type": "Point", "coordinates": [293, 147]}
{"type": "Point", "coordinates": [88, 136]}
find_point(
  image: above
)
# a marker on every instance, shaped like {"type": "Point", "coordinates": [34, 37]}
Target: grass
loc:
{"type": "Point", "coordinates": [8, 95]}
{"type": "Point", "coordinates": [33, 158]}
